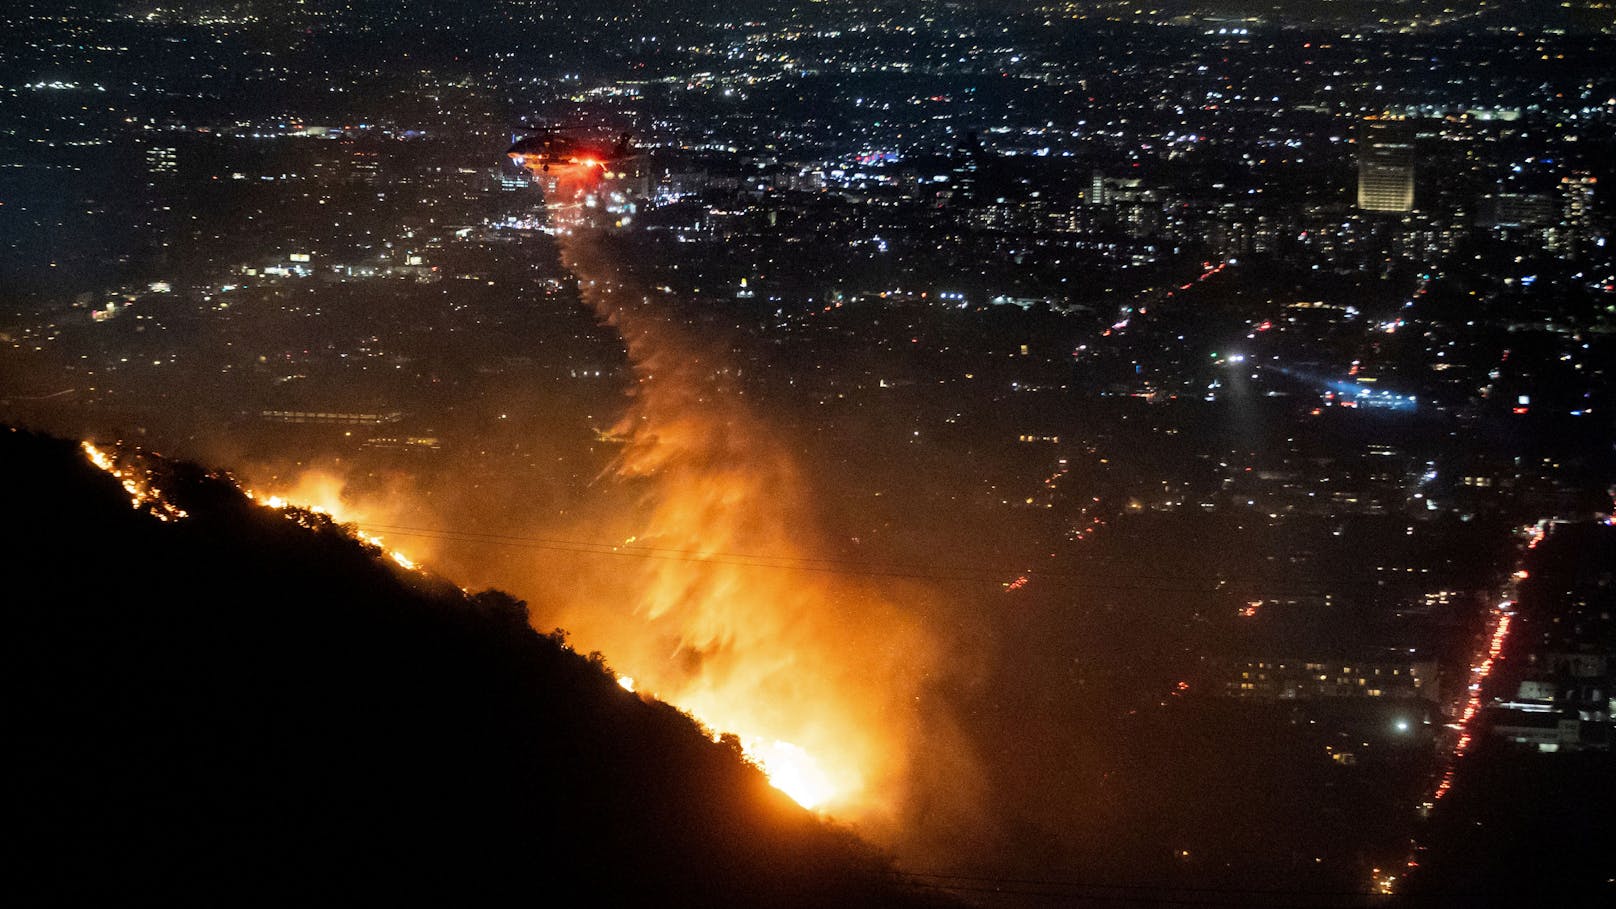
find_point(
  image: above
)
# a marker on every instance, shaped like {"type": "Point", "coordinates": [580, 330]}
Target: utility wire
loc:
{"type": "Point", "coordinates": [1146, 899]}
{"type": "Point", "coordinates": [853, 567]}
{"type": "Point", "coordinates": [1067, 882]}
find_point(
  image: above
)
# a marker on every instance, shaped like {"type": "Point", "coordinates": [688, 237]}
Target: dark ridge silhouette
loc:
{"type": "Point", "coordinates": [235, 709]}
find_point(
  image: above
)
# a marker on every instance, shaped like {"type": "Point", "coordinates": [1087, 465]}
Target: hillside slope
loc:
{"type": "Point", "coordinates": [232, 708]}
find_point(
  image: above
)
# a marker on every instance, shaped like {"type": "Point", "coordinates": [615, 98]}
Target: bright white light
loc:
{"type": "Point", "coordinates": [792, 771]}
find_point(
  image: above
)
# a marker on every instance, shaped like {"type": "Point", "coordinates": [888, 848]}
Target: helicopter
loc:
{"type": "Point", "coordinates": [550, 147]}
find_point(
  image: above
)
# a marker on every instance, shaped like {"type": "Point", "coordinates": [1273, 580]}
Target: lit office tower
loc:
{"type": "Point", "coordinates": [1577, 204]}
{"type": "Point", "coordinates": [1575, 230]}
{"type": "Point", "coordinates": [162, 160]}
{"type": "Point", "coordinates": [1386, 165]}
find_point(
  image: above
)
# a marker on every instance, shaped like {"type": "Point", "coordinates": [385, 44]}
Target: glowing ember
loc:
{"type": "Point", "coordinates": [138, 483]}
{"type": "Point", "coordinates": [296, 513]}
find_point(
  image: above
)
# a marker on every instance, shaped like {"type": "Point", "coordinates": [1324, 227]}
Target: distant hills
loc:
{"type": "Point", "coordinates": [233, 709]}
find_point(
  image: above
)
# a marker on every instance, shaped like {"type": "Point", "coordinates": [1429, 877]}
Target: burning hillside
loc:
{"type": "Point", "coordinates": [254, 708]}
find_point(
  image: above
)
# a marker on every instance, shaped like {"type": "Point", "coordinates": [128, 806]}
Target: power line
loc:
{"type": "Point", "coordinates": [1067, 882]}
{"type": "Point", "coordinates": [1070, 897]}
{"type": "Point", "coordinates": [786, 563]}
{"type": "Point", "coordinates": [841, 566]}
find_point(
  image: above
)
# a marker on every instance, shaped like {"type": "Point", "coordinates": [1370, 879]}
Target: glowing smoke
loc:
{"type": "Point", "coordinates": [828, 679]}
{"type": "Point", "coordinates": [820, 675]}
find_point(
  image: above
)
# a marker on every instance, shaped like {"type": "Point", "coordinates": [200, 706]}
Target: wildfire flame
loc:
{"type": "Point", "coordinates": [792, 771]}
{"type": "Point", "coordinates": [823, 679]}
{"type": "Point", "coordinates": [816, 674]}
{"type": "Point", "coordinates": [332, 506]}
{"type": "Point", "coordinates": [789, 767]}
{"type": "Point", "coordinates": [143, 493]}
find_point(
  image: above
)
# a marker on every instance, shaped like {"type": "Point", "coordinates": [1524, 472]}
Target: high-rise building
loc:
{"type": "Point", "coordinates": [1503, 211]}
{"type": "Point", "coordinates": [1577, 201]}
{"type": "Point", "coordinates": [162, 159]}
{"type": "Point", "coordinates": [1575, 229]}
{"type": "Point", "coordinates": [1105, 190]}
{"type": "Point", "coordinates": [1386, 165]}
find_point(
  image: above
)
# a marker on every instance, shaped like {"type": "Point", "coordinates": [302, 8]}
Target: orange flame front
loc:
{"type": "Point", "coordinates": [818, 674]}
{"type": "Point", "coordinates": [721, 603]}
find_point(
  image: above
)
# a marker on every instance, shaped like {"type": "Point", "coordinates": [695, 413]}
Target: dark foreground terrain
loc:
{"type": "Point", "coordinates": [229, 708]}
